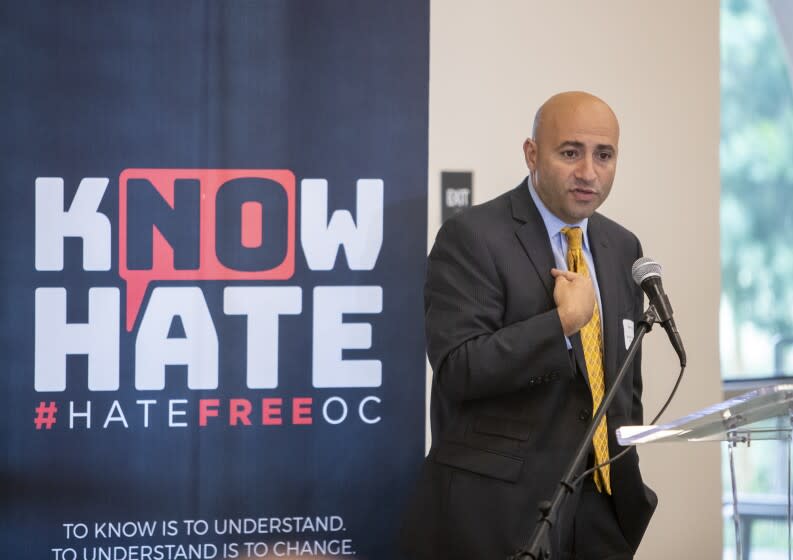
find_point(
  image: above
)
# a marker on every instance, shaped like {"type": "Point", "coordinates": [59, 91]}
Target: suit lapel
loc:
{"type": "Point", "coordinates": [533, 237]}
{"type": "Point", "coordinates": [607, 268]}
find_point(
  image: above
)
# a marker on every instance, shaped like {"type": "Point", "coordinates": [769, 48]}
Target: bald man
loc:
{"type": "Point", "coordinates": [512, 389]}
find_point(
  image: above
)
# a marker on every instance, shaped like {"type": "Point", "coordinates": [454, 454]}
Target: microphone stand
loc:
{"type": "Point", "coordinates": [539, 546]}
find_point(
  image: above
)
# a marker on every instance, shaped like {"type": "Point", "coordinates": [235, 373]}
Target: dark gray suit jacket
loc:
{"type": "Point", "coordinates": [509, 403]}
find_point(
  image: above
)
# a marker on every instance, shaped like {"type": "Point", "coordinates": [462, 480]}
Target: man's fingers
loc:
{"type": "Point", "coordinates": [556, 273]}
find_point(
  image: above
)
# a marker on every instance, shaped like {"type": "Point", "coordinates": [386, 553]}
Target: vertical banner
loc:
{"type": "Point", "coordinates": [213, 228]}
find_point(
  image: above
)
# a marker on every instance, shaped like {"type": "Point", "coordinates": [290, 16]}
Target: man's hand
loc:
{"type": "Point", "coordinates": [575, 299]}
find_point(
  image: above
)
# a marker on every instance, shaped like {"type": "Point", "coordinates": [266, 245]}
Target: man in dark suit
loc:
{"type": "Point", "coordinates": [514, 387]}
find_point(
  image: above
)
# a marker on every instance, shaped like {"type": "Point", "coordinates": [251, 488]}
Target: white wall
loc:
{"type": "Point", "coordinates": [657, 64]}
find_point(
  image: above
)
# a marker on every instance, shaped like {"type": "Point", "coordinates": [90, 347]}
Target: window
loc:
{"type": "Point", "coordinates": [756, 158]}
{"type": "Point", "coordinates": [756, 318]}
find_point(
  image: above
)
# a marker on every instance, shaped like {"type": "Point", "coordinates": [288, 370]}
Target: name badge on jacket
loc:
{"type": "Point", "coordinates": [627, 330]}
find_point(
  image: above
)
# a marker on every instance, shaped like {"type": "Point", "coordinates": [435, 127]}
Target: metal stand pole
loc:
{"type": "Point", "coordinates": [732, 441]}
{"type": "Point", "coordinates": [789, 491]}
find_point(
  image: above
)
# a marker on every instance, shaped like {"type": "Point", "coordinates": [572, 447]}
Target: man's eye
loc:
{"type": "Point", "coordinates": [604, 156]}
{"type": "Point", "coordinates": [569, 153]}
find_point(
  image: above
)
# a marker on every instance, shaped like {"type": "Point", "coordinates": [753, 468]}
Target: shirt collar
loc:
{"type": "Point", "coordinates": [552, 223]}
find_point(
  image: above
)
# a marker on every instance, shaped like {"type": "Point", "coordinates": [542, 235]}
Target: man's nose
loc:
{"type": "Point", "coordinates": [586, 169]}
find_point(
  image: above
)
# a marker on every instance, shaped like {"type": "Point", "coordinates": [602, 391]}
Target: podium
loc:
{"type": "Point", "coordinates": [762, 414]}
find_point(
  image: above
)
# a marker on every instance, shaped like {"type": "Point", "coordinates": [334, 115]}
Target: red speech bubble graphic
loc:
{"type": "Point", "coordinates": [210, 268]}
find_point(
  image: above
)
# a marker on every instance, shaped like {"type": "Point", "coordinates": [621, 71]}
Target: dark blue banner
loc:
{"type": "Point", "coordinates": [213, 228]}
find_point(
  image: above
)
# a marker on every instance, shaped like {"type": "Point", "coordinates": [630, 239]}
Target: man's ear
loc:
{"type": "Point", "coordinates": [530, 153]}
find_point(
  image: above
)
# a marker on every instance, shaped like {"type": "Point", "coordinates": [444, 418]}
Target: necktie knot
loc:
{"type": "Point", "coordinates": [575, 237]}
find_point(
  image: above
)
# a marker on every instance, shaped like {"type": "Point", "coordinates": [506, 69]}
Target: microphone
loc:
{"type": "Point", "coordinates": [647, 274]}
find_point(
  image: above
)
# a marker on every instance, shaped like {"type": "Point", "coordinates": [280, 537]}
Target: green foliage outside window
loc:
{"type": "Point", "coordinates": [756, 154]}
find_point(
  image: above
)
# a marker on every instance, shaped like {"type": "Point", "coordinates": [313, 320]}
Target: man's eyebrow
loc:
{"type": "Point", "coordinates": [580, 145]}
{"type": "Point", "coordinates": [570, 144]}
{"type": "Point", "coordinates": [605, 147]}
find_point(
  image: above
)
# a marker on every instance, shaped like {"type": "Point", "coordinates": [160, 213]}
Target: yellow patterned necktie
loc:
{"type": "Point", "coordinates": [592, 341]}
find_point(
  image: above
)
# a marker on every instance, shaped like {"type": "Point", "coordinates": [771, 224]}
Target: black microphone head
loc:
{"type": "Point", "coordinates": [645, 268]}
{"type": "Point", "coordinates": [647, 274]}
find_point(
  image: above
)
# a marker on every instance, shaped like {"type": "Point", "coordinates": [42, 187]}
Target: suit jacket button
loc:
{"type": "Point", "coordinates": [585, 415]}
